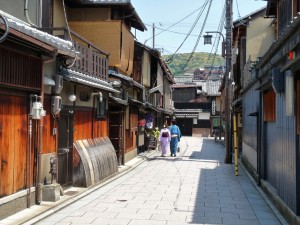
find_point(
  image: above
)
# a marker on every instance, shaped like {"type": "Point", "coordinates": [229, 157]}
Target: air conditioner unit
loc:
{"type": "Point", "coordinates": [59, 81]}
{"type": "Point", "coordinates": [56, 103]}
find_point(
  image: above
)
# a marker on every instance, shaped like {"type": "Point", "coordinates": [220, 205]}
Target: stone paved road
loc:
{"type": "Point", "coordinates": [194, 188]}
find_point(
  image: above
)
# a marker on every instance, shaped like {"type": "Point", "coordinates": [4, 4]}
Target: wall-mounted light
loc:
{"type": "Point", "coordinates": [72, 98]}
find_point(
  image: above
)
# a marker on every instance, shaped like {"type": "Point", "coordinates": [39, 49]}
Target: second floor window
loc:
{"type": "Point", "coordinates": [269, 106]}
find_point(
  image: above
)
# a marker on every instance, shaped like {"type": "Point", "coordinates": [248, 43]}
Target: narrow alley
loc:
{"type": "Point", "coordinates": [194, 188]}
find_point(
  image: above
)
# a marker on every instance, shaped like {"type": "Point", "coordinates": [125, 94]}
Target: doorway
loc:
{"type": "Point", "coordinates": [116, 134]}
{"type": "Point", "coordinates": [186, 126]}
{"type": "Point", "coordinates": [65, 148]}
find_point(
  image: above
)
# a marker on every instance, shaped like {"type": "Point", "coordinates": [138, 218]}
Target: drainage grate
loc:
{"type": "Point", "coordinates": [71, 193]}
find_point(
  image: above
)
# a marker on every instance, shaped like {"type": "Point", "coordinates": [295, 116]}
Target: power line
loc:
{"type": "Point", "coordinates": [169, 60]}
{"type": "Point", "coordinates": [197, 42]}
{"type": "Point", "coordinates": [217, 40]}
{"type": "Point", "coordinates": [175, 32]}
{"type": "Point", "coordinates": [173, 24]}
{"type": "Point", "coordinates": [238, 10]}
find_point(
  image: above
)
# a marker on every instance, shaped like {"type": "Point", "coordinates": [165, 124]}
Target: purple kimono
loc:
{"type": "Point", "coordinates": [164, 139]}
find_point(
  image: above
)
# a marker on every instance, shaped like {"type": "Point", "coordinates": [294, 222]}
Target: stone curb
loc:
{"type": "Point", "coordinates": [60, 205]}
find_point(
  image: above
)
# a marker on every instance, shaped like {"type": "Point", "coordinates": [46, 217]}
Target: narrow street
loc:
{"type": "Point", "coordinates": [194, 188]}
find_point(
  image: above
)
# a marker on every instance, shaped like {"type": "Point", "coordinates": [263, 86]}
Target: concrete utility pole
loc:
{"type": "Point", "coordinates": [227, 78]}
{"type": "Point", "coordinates": [153, 36]}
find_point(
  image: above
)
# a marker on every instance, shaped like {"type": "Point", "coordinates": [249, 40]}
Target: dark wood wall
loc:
{"type": "Point", "coordinates": [285, 14]}
{"type": "Point", "coordinates": [250, 105]}
{"type": "Point", "coordinates": [85, 124]}
{"type": "Point", "coordinates": [280, 147]}
{"type": "Point", "coordinates": [49, 123]}
{"type": "Point", "coordinates": [20, 70]}
{"type": "Point", "coordinates": [130, 138]}
{"type": "Point", "coordinates": [13, 142]}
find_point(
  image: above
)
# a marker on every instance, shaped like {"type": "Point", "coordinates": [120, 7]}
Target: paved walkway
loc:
{"type": "Point", "coordinates": [194, 188]}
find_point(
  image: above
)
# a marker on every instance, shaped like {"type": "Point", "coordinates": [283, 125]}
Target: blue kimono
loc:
{"type": "Point", "coordinates": [175, 138]}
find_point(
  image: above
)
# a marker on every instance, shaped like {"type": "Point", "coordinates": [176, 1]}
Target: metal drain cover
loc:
{"type": "Point", "coordinates": [71, 193]}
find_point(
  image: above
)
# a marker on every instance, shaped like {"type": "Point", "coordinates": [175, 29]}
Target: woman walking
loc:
{"type": "Point", "coordinates": [164, 139]}
{"type": "Point", "coordinates": [175, 137]}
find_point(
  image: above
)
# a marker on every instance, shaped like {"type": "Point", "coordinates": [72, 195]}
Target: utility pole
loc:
{"type": "Point", "coordinates": [153, 37]}
{"type": "Point", "coordinates": [227, 78]}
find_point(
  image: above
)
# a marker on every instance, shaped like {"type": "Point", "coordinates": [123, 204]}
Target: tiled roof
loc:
{"type": "Point", "coordinates": [63, 46]}
{"type": "Point", "coordinates": [81, 78]}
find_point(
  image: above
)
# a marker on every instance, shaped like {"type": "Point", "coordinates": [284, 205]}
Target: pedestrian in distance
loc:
{"type": "Point", "coordinates": [175, 137]}
{"type": "Point", "coordinates": [164, 139]}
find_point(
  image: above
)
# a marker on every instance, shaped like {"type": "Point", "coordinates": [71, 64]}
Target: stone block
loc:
{"type": "Point", "coordinates": [51, 192]}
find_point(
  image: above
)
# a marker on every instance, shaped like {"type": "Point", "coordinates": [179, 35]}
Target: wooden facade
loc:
{"type": "Point", "coordinates": [87, 126]}
{"type": "Point", "coordinates": [19, 73]}
{"type": "Point", "coordinates": [111, 36]}
{"type": "Point", "coordinates": [83, 76]}
{"type": "Point", "coordinates": [270, 100]}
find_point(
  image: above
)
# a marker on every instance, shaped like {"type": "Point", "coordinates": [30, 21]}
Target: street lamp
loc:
{"type": "Point", "coordinates": [207, 40]}
{"type": "Point", "coordinates": [208, 37]}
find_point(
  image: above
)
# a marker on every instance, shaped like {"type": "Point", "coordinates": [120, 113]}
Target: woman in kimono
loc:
{"type": "Point", "coordinates": [164, 139]}
{"type": "Point", "coordinates": [175, 137]}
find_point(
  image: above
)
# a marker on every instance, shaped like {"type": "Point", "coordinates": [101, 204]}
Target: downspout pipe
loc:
{"type": "Point", "coordinates": [100, 96]}
{"type": "Point", "coordinates": [40, 150]}
{"type": "Point", "coordinates": [259, 137]}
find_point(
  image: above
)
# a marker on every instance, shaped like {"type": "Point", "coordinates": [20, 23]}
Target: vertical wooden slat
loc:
{"type": "Point", "coordinates": [20, 70]}
{"type": "Point", "coordinates": [20, 139]}
{"type": "Point", "coordinates": [7, 148]}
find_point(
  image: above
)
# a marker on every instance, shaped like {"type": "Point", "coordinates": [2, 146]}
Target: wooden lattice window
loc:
{"type": "Point", "coordinates": [269, 106]}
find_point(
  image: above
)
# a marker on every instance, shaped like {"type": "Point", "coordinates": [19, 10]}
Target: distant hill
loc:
{"type": "Point", "coordinates": [199, 60]}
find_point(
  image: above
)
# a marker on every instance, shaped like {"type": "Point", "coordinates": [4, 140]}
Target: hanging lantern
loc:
{"type": "Point", "coordinates": [207, 39]}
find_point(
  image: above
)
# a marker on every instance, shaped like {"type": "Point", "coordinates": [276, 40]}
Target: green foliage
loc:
{"type": "Point", "coordinates": [154, 133]}
{"type": "Point", "coordinates": [199, 60]}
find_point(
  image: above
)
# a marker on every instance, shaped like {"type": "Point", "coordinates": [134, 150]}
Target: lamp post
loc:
{"type": "Point", "coordinates": [208, 37]}
{"type": "Point", "coordinates": [227, 54]}
{"type": "Point", "coordinates": [207, 40]}
{"type": "Point", "coordinates": [228, 26]}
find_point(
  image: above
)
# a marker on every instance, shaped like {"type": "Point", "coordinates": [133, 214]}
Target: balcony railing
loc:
{"type": "Point", "coordinates": [204, 106]}
{"type": "Point", "coordinates": [89, 58]}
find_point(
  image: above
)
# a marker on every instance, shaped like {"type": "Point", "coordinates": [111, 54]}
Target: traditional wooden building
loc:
{"type": "Point", "coordinates": [28, 58]}
{"type": "Point", "coordinates": [253, 34]}
{"type": "Point", "coordinates": [268, 69]}
{"type": "Point", "coordinates": [107, 25]}
{"type": "Point", "coordinates": [197, 102]}
{"type": "Point", "coordinates": [157, 80]}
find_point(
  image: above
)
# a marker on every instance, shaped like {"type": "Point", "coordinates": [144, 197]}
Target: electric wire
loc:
{"type": "Point", "coordinates": [197, 42]}
{"type": "Point", "coordinates": [69, 33]}
{"type": "Point", "coordinates": [239, 15]}
{"type": "Point", "coordinates": [4, 36]}
{"type": "Point", "coordinates": [27, 16]}
{"type": "Point", "coordinates": [175, 32]}
{"type": "Point", "coordinates": [217, 40]}
{"type": "Point", "coordinates": [173, 24]}
{"type": "Point", "coordinates": [169, 60]}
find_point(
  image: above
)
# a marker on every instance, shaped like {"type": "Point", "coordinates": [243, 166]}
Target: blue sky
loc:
{"type": "Point", "coordinates": [164, 13]}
